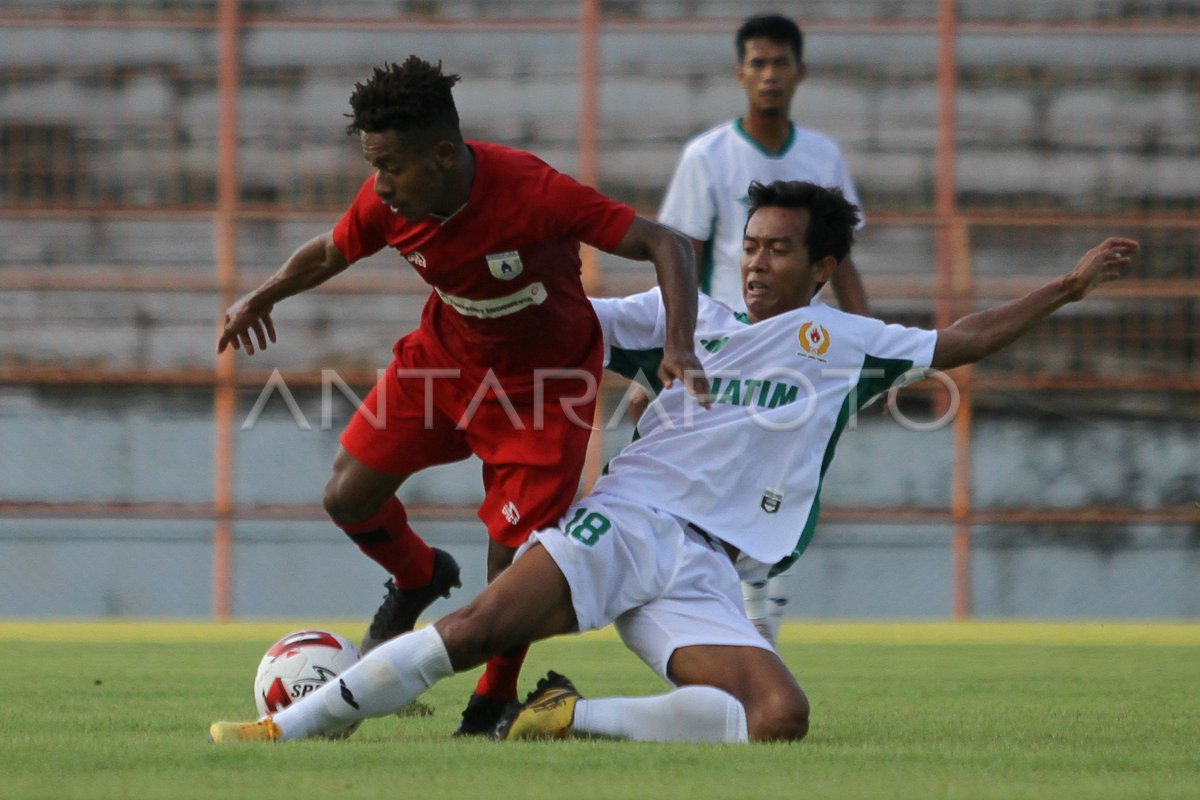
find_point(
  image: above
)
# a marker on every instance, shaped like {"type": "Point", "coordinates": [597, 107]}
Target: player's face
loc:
{"type": "Point", "coordinates": [414, 181]}
{"type": "Point", "coordinates": [777, 275]}
{"type": "Point", "coordinates": [770, 74]}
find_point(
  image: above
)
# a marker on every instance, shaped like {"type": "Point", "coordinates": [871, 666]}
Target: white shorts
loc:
{"type": "Point", "coordinates": [664, 585]}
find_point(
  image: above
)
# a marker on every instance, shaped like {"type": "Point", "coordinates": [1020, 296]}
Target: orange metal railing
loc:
{"type": "Point", "coordinates": [953, 286]}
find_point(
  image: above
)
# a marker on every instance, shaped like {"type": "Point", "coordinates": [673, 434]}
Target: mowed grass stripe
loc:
{"type": "Point", "coordinates": [1030, 633]}
{"type": "Point", "coordinates": [111, 721]}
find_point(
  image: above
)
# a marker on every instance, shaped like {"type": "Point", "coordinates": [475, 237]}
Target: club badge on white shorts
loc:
{"type": "Point", "coordinates": [505, 266]}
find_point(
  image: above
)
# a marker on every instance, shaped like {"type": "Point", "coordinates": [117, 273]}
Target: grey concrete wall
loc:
{"type": "Point", "coordinates": [157, 569]}
{"type": "Point", "coordinates": [147, 447]}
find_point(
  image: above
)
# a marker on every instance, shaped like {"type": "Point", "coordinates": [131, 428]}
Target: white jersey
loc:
{"type": "Point", "coordinates": [707, 198]}
{"type": "Point", "coordinates": [748, 470]}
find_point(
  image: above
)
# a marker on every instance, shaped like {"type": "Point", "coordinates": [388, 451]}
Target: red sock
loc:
{"type": "Point", "coordinates": [388, 540]}
{"type": "Point", "coordinates": [499, 679]}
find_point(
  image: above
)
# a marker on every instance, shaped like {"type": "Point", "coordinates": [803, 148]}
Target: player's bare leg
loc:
{"type": "Point", "coordinates": [497, 687]}
{"type": "Point", "coordinates": [355, 492]}
{"type": "Point", "coordinates": [528, 601]}
{"type": "Point", "coordinates": [362, 502]}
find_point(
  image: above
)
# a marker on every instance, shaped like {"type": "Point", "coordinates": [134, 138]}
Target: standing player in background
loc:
{"type": "Point", "coordinates": [496, 233]}
{"type": "Point", "coordinates": [707, 198]}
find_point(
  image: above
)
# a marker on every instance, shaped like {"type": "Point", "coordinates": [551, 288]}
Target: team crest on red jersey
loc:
{"type": "Point", "coordinates": [416, 259]}
{"type": "Point", "coordinates": [505, 266]}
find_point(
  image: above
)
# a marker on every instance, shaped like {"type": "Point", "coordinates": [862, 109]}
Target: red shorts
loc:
{"type": "Point", "coordinates": [532, 457]}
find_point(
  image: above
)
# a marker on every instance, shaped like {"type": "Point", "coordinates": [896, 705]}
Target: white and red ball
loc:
{"type": "Point", "coordinates": [297, 665]}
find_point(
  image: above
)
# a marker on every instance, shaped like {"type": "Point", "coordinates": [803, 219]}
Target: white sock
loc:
{"type": "Point", "coordinates": [779, 591]}
{"type": "Point", "coordinates": [688, 714]}
{"type": "Point", "coordinates": [758, 608]}
{"type": "Point", "coordinates": [386, 679]}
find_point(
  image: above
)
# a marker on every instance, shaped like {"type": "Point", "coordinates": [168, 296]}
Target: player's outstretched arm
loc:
{"type": "Point", "coordinates": [674, 262]}
{"type": "Point", "coordinates": [313, 263]}
{"type": "Point", "coordinates": [978, 335]}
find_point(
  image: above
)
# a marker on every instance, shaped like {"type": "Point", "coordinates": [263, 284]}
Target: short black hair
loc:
{"type": "Point", "coordinates": [831, 221]}
{"type": "Point", "coordinates": [411, 97]}
{"type": "Point", "coordinates": [775, 27]}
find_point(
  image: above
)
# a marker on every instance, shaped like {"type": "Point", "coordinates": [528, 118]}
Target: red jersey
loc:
{"type": "Point", "coordinates": [505, 269]}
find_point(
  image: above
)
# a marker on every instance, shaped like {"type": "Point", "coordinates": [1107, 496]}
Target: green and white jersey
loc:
{"type": "Point", "coordinates": [707, 197]}
{"type": "Point", "coordinates": [749, 469]}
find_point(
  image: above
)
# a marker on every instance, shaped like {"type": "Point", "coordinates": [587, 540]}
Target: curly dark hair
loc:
{"type": "Point", "coordinates": [832, 218]}
{"type": "Point", "coordinates": [408, 97]}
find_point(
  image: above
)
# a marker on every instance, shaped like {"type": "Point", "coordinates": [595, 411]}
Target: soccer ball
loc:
{"type": "Point", "coordinates": [299, 664]}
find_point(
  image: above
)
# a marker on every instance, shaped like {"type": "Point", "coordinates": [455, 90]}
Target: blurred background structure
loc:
{"type": "Point", "coordinates": [159, 157]}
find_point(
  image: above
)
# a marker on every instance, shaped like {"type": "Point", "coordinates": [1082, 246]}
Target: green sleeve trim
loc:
{"type": "Point", "coordinates": [705, 267]}
{"type": "Point", "coordinates": [863, 392]}
{"type": "Point", "coordinates": [629, 363]}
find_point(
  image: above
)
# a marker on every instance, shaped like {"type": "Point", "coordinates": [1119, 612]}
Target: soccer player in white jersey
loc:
{"type": "Point", "coordinates": [702, 496]}
{"type": "Point", "coordinates": [706, 200]}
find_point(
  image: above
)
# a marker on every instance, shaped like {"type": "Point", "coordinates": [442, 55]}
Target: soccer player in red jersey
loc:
{"type": "Point", "coordinates": [508, 350]}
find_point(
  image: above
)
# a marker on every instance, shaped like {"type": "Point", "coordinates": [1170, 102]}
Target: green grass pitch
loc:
{"type": "Point", "coordinates": [978, 710]}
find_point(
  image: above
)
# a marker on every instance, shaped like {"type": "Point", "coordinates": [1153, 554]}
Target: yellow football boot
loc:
{"type": "Point", "coordinates": [547, 712]}
{"type": "Point", "coordinates": [264, 730]}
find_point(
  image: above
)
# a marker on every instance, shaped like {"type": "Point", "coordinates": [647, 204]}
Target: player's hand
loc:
{"type": "Point", "coordinates": [242, 319]}
{"type": "Point", "coordinates": [1101, 264]}
{"type": "Point", "coordinates": [682, 364]}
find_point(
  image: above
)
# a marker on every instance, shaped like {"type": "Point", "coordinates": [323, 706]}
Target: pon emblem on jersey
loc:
{"type": "Point", "coordinates": [505, 266]}
{"type": "Point", "coordinates": [814, 339]}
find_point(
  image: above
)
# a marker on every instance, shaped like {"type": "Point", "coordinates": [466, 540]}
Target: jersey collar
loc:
{"type": "Point", "coordinates": [741, 131]}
